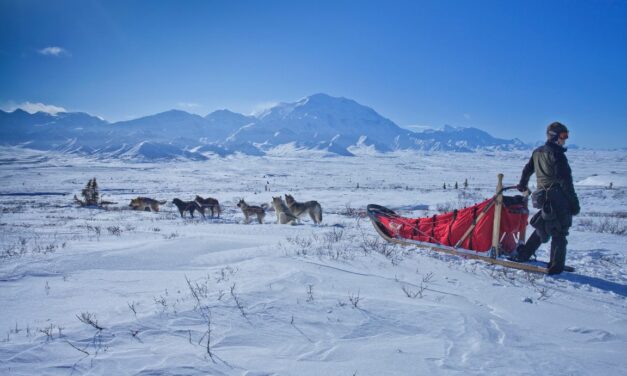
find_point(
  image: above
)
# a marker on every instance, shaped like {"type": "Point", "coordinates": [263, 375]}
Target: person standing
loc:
{"type": "Point", "coordinates": [555, 195]}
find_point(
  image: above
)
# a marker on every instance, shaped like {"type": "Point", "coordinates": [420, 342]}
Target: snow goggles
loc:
{"type": "Point", "coordinates": [563, 136]}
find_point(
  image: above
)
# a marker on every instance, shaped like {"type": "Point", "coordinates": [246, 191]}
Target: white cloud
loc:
{"type": "Point", "coordinates": [53, 51]}
{"type": "Point", "coordinates": [32, 108]}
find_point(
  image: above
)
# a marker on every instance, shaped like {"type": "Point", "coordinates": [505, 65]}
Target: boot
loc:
{"type": "Point", "coordinates": [525, 251]}
{"type": "Point", "coordinates": [520, 254]}
{"type": "Point", "coordinates": [558, 254]}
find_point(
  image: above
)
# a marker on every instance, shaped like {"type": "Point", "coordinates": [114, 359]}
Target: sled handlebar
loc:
{"type": "Point", "coordinates": [507, 188]}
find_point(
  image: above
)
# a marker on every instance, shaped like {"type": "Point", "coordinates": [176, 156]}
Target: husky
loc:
{"type": "Point", "coordinates": [210, 203]}
{"type": "Point", "coordinates": [300, 208]}
{"type": "Point", "coordinates": [283, 213]}
{"type": "Point", "coordinates": [189, 206]}
{"type": "Point", "coordinates": [250, 210]}
{"type": "Point", "coordinates": [146, 204]}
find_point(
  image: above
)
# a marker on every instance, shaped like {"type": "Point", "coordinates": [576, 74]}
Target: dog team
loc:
{"type": "Point", "coordinates": [287, 212]}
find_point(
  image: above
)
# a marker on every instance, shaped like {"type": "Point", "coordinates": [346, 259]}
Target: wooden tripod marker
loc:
{"type": "Point", "coordinates": [496, 228]}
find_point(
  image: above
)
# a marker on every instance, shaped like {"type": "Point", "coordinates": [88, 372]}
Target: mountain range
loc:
{"type": "Point", "coordinates": [319, 124]}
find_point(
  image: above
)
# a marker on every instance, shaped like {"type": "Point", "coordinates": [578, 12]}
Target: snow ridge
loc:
{"type": "Point", "coordinates": [317, 122]}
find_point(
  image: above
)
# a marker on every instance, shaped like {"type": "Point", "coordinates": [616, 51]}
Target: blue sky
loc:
{"type": "Point", "coordinates": [507, 67]}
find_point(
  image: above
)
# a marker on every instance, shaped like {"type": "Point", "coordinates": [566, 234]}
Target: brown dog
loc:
{"type": "Point", "coordinates": [210, 203]}
{"type": "Point", "coordinates": [145, 204]}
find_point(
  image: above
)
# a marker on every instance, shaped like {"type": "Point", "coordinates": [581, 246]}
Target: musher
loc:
{"type": "Point", "coordinates": [555, 195]}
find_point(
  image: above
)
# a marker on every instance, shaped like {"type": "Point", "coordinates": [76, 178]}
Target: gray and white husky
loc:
{"type": "Point", "coordinates": [283, 213]}
{"type": "Point", "coordinates": [250, 210]}
{"type": "Point", "coordinates": [299, 209]}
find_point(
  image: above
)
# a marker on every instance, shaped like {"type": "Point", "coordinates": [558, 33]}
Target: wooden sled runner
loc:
{"type": "Point", "coordinates": [487, 231]}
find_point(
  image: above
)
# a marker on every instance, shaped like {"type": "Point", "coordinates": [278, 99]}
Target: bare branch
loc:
{"type": "Point", "coordinates": [89, 319]}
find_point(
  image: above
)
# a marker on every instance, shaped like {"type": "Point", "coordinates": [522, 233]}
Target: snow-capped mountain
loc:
{"type": "Point", "coordinates": [322, 122]}
{"type": "Point", "coordinates": [223, 123]}
{"type": "Point", "coordinates": [463, 139]}
{"type": "Point", "coordinates": [337, 126]}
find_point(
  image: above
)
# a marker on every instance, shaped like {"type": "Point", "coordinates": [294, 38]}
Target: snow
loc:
{"type": "Point", "coordinates": [604, 180]}
{"type": "Point", "coordinates": [296, 300]}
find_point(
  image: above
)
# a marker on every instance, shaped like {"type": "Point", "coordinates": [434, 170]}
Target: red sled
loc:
{"type": "Point", "coordinates": [489, 231]}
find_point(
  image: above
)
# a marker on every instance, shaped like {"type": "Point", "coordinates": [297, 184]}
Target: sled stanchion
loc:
{"type": "Point", "coordinates": [523, 233]}
{"type": "Point", "coordinates": [496, 228]}
{"type": "Point", "coordinates": [485, 210]}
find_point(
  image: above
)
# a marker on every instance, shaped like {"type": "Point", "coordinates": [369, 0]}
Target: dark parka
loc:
{"type": "Point", "coordinates": [552, 170]}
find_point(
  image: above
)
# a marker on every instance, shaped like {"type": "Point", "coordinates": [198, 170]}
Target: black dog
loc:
{"type": "Point", "coordinates": [189, 206]}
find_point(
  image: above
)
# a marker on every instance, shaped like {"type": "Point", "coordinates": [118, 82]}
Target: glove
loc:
{"type": "Point", "coordinates": [522, 188]}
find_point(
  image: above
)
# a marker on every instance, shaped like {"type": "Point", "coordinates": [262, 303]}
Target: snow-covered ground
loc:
{"type": "Point", "coordinates": [87, 291]}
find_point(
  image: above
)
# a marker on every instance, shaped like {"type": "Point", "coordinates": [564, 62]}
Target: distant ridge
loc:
{"type": "Point", "coordinates": [319, 124]}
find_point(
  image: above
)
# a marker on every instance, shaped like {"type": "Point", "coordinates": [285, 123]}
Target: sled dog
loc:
{"type": "Point", "coordinates": [146, 204]}
{"type": "Point", "coordinates": [250, 210]}
{"type": "Point", "coordinates": [189, 206]}
{"type": "Point", "coordinates": [210, 203]}
{"type": "Point", "coordinates": [283, 213]}
{"type": "Point", "coordinates": [299, 209]}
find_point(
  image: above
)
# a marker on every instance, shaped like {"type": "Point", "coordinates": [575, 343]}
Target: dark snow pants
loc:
{"type": "Point", "coordinates": [555, 229]}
